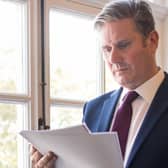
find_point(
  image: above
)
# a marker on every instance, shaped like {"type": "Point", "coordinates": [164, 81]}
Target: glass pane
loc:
{"type": "Point", "coordinates": [72, 56]}
{"type": "Point", "coordinates": [13, 118]}
{"type": "Point", "coordinates": [65, 116]}
{"type": "Point", "coordinates": [110, 83]}
{"type": "Point", "coordinates": [13, 47]}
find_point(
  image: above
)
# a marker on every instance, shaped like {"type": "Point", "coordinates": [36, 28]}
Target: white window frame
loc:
{"type": "Point", "coordinates": [34, 30]}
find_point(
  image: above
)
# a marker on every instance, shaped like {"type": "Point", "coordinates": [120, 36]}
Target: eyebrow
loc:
{"type": "Point", "coordinates": [123, 42]}
{"type": "Point", "coordinates": [119, 43]}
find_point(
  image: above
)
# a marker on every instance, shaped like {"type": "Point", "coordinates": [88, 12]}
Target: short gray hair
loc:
{"type": "Point", "coordinates": [138, 10]}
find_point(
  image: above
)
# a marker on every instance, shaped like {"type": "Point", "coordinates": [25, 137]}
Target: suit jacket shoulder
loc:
{"type": "Point", "coordinates": [99, 111]}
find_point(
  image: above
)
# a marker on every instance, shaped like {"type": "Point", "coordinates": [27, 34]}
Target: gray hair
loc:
{"type": "Point", "coordinates": [138, 10]}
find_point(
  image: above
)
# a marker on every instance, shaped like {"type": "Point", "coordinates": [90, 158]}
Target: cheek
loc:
{"type": "Point", "coordinates": [135, 58]}
{"type": "Point", "coordinates": [139, 62]}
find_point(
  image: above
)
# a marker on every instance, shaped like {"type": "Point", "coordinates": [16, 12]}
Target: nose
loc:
{"type": "Point", "coordinates": [114, 56]}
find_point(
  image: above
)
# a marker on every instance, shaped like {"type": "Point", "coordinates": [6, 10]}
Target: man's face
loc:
{"type": "Point", "coordinates": [130, 56]}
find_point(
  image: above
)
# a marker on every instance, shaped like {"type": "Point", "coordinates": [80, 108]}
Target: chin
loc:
{"type": "Point", "coordinates": [120, 80]}
{"type": "Point", "coordinates": [125, 83]}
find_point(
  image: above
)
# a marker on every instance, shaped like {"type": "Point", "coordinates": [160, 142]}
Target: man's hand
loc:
{"type": "Point", "coordinates": [42, 161]}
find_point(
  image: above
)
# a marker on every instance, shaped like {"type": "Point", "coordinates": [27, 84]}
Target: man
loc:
{"type": "Point", "coordinates": [129, 42]}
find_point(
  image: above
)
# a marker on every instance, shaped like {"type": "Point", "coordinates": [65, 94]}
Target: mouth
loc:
{"type": "Point", "coordinates": [121, 70]}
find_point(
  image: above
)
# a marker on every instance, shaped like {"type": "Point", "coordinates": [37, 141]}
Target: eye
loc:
{"type": "Point", "coordinates": [123, 44]}
{"type": "Point", "coordinates": [107, 49]}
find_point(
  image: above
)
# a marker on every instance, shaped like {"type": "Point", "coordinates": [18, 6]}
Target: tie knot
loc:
{"type": "Point", "coordinates": [130, 96]}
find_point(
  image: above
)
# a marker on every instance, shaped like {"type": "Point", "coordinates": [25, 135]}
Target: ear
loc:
{"type": "Point", "coordinates": [153, 40]}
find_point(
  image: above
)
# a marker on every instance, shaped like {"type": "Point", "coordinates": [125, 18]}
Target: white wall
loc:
{"type": "Point", "coordinates": [160, 11]}
{"type": "Point", "coordinates": [165, 44]}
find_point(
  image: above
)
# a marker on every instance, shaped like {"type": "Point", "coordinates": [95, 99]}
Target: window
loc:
{"type": "Point", "coordinates": [13, 118]}
{"type": "Point", "coordinates": [13, 48]}
{"type": "Point", "coordinates": [110, 83]}
{"type": "Point", "coordinates": [73, 65]}
{"type": "Point", "coordinates": [14, 83]}
{"type": "Point", "coordinates": [72, 56]}
{"type": "Point", "coordinates": [72, 62]}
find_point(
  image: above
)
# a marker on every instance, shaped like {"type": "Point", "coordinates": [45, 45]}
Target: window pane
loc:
{"type": "Point", "coordinates": [110, 83]}
{"type": "Point", "coordinates": [72, 56]}
{"type": "Point", "coordinates": [13, 44]}
{"type": "Point", "coordinates": [13, 118]}
{"type": "Point", "coordinates": [65, 116]}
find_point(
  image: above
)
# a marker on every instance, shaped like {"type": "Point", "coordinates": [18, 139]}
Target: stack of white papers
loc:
{"type": "Point", "coordinates": [76, 147]}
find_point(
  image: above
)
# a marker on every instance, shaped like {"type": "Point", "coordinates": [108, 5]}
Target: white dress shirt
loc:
{"type": "Point", "coordinates": [140, 107]}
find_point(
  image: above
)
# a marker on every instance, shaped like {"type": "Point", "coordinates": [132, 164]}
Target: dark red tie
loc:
{"type": "Point", "coordinates": [123, 119]}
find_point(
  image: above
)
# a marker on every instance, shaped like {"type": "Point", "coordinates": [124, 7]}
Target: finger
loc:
{"type": "Point", "coordinates": [32, 149]}
{"type": "Point", "coordinates": [36, 156]}
{"type": "Point", "coordinates": [51, 163]}
{"type": "Point", "coordinates": [46, 159]}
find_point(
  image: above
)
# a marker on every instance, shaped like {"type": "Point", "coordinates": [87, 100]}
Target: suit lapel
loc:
{"type": "Point", "coordinates": [157, 108]}
{"type": "Point", "coordinates": [108, 111]}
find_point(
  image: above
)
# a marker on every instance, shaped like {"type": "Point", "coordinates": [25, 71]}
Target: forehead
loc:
{"type": "Point", "coordinates": [118, 30]}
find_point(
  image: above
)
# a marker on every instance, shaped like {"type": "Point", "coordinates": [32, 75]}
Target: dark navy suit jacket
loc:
{"type": "Point", "coordinates": [150, 149]}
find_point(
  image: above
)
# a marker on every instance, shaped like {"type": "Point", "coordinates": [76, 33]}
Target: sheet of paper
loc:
{"type": "Point", "coordinates": [78, 148]}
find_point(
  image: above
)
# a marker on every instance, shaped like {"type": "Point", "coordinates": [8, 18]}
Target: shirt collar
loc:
{"type": "Point", "coordinates": [148, 89]}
